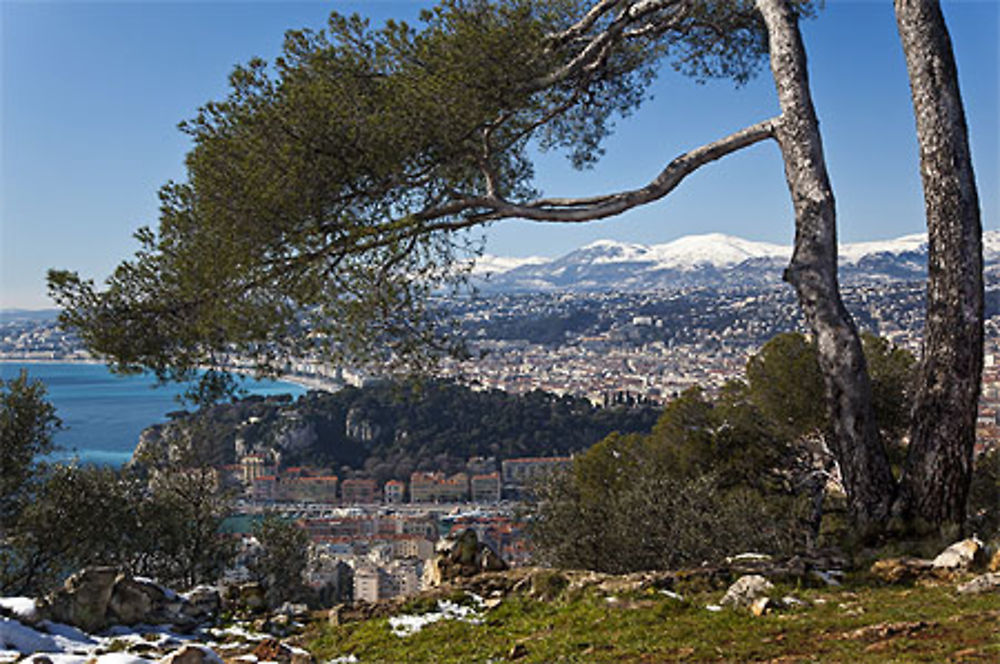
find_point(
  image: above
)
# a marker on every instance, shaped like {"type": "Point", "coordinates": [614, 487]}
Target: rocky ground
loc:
{"type": "Point", "coordinates": [751, 608]}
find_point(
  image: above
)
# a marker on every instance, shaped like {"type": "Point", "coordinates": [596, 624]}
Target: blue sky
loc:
{"type": "Point", "coordinates": [92, 93]}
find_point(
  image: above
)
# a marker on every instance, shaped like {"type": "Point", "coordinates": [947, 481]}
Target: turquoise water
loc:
{"type": "Point", "coordinates": [103, 414]}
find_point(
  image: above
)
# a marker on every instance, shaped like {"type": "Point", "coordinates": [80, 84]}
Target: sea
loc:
{"type": "Point", "coordinates": [103, 414]}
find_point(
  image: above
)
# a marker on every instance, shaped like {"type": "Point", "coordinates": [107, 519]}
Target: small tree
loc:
{"type": "Point", "coordinates": [27, 424]}
{"type": "Point", "coordinates": [706, 483]}
{"type": "Point", "coordinates": [78, 516]}
{"type": "Point", "coordinates": [282, 559]}
{"type": "Point", "coordinates": [984, 496]}
{"type": "Point", "coordinates": [180, 523]}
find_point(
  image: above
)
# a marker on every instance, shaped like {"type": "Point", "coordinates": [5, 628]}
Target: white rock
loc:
{"type": "Point", "coordinates": [983, 583]}
{"type": "Point", "coordinates": [960, 555]}
{"type": "Point", "coordinates": [746, 589]}
{"type": "Point", "coordinates": [749, 557]}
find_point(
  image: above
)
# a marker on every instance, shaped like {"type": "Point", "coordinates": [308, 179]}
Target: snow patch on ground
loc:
{"type": "Point", "coordinates": [407, 625]}
{"type": "Point", "coordinates": [64, 644]}
{"type": "Point", "coordinates": [24, 608]}
{"type": "Point", "coordinates": [24, 639]}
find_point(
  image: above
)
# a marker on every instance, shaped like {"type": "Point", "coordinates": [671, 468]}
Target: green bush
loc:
{"type": "Point", "coordinates": [984, 496]}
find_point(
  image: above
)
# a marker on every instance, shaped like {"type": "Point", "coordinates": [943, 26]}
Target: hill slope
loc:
{"type": "Point", "coordinates": [388, 430]}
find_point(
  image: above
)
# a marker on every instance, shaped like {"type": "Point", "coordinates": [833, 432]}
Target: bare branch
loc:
{"type": "Point", "coordinates": [585, 23]}
{"type": "Point", "coordinates": [600, 44]}
{"type": "Point", "coordinates": [467, 212]}
{"type": "Point", "coordinates": [480, 209]}
{"type": "Point", "coordinates": [591, 208]}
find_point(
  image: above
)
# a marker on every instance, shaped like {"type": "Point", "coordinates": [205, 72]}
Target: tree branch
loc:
{"type": "Point", "coordinates": [597, 47]}
{"type": "Point", "coordinates": [481, 209]}
{"type": "Point", "coordinates": [598, 207]}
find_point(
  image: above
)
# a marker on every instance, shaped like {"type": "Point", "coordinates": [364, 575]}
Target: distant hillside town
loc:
{"type": "Point", "coordinates": [372, 541]}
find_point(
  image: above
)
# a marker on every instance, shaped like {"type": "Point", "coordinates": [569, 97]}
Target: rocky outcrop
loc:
{"type": "Point", "coordinates": [83, 600]}
{"type": "Point", "coordinates": [358, 426]}
{"type": "Point", "coordinates": [901, 570]}
{"type": "Point", "coordinates": [463, 558]}
{"type": "Point", "coordinates": [97, 597]}
{"type": "Point", "coordinates": [954, 562]}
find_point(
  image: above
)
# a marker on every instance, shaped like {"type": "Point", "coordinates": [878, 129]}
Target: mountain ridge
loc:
{"type": "Point", "coordinates": [710, 259]}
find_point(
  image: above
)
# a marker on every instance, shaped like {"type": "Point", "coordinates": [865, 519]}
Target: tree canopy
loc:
{"type": "Point", "coordinates": [327, 194]}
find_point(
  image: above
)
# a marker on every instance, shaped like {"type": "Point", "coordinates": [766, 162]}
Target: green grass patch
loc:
{"type": "Point", "coordinates": [855, 625]}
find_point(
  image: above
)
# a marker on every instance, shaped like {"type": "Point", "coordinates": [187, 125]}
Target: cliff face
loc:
{"type": "Point", "coordinates": [219, 434]}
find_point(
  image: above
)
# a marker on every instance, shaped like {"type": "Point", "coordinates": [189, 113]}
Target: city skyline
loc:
{"type": "Point", "coordinates": [92, 94]}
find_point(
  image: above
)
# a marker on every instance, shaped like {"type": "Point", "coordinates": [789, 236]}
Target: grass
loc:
{"type": "Point", "coordinates": [931, 625]}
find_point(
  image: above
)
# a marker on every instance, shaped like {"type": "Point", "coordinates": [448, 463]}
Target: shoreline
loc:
{"type": "Point", "coordinates": [305, 382]}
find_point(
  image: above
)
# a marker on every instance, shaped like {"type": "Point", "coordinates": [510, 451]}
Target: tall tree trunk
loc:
{"type": "Point", "coordinates": [864, 465]}
{"type": "Point", "coordinates": [938, 467]}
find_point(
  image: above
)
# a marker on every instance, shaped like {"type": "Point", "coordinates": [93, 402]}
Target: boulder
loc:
{"type": "Point", "coordinates": [746, 590]}
{"type": "Point", "coordinates": [984, 583]}
{"type": "Point", "coordinates": [994, 565]}
{"type": "Point", "coordinates": [761, 605]}
{"type": "Point", "coordinates": [135, 601]}
{"type": "Point", "coordinates": [961, 556]}
{"type": "Point", "coordinates": [202, 603]}
{"type": "Point", "coordinates": [272, 650]}
{"type": "Point", "coordinates": [901, 570]}
{"type": "Point", "coordinates": [465, 558]}
{"type": "Point", "coordinates": [192, 654]}
{"type": "Point", "coordinates": [83, 600]}
{"type": "Point", "coordinates": [245, 597]}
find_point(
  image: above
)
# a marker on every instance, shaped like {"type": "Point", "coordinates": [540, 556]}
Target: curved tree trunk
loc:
{"type": "Point", "coordinates": [864, 465]}
{"type": "Point", "coordinates": [939, 463]}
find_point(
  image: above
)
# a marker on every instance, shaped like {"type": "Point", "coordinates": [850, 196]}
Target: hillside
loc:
{"type": "Point", "coordinates": [855, 623]}
{"type": "Point", "coordinates": [531, 615]}
{"type": "Point", "coordinates": [389, 430]}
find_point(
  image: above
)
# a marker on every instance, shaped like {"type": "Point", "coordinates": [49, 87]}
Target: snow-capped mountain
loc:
{"type": "Point", "coordinates": [713, 259]}
{"type": "Point", "coordinates": [489, 264]}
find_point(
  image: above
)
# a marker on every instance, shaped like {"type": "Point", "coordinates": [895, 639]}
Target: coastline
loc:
{"type": "Point", "coordinates": [305, 382]}
{"type": "Point", "coordinates": [8, 359]}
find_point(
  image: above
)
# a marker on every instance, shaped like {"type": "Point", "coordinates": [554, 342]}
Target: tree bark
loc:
{"type": "Point", "coordinates": [938, 467]}
{"type": "Point", "coordinates": [864, 465]}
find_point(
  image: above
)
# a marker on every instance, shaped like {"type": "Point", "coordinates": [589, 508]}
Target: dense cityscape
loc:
{"type": "Point", "coordinates": [373, 541]}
